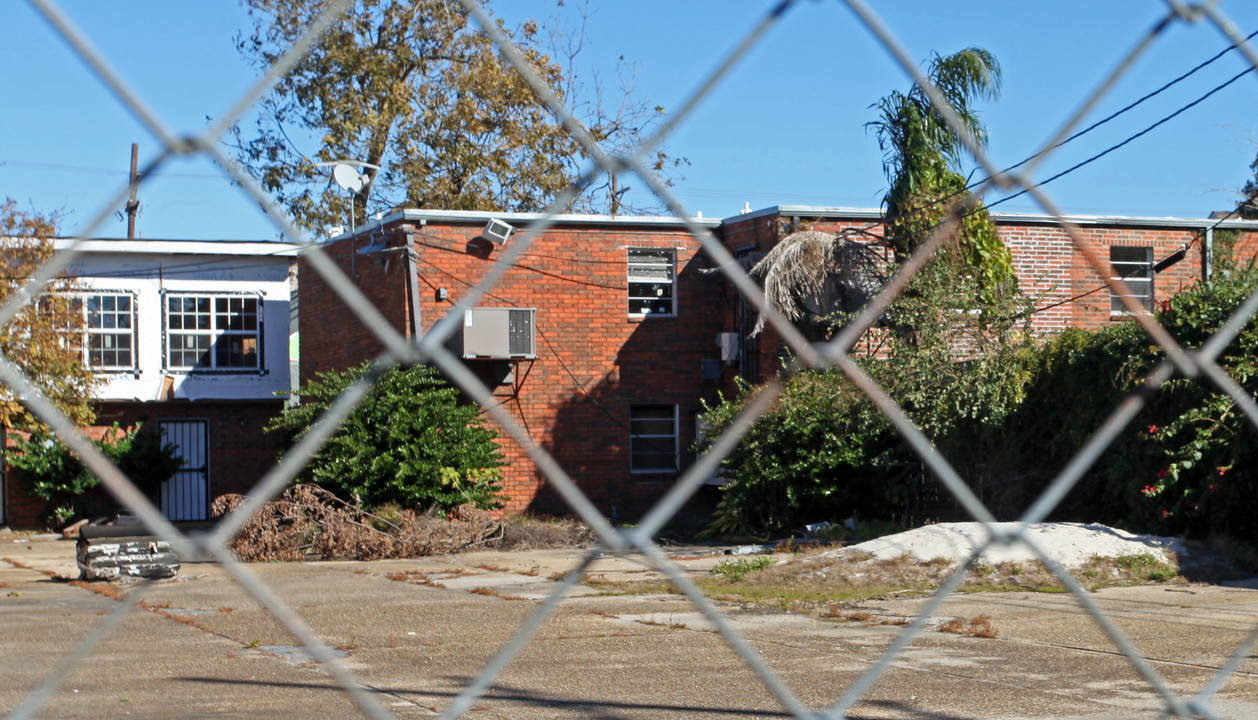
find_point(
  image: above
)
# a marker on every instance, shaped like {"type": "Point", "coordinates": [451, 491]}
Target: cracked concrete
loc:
{"type": "Point", "coordinates": [414, 632]}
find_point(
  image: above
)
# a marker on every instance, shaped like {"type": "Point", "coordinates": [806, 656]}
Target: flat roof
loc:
{"type": "Point", "coordinates": [875, 214]}
{"type": "Point", "coordinates": [519, 220]}
{"type": "Point", "coordinates": [250, 248]}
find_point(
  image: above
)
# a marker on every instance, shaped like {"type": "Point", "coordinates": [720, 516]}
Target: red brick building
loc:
{"type": "Point", "coordinates": [629, 333]}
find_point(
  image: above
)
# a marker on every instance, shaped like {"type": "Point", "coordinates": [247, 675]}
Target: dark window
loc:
{"type": "Point", "coordinates": [205, 332]}
{"type": "Point", "coordinates": [653, 438]}
{"type": "Point", "coordinates": [1134, 266]}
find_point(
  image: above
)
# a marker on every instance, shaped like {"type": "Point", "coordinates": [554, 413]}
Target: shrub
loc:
{"type": "Point", "coordinates": [53, 473]}
{"type": "Point", "coordinates": [821, 452]}
{"type": "Point", "coordinates": [410, 442]}
{"type": "Point", "coordinates": [1183, 465]}
{"type": "Point", "coordinates": [737, 570]}
{"type": "Point", "coordinates": [955, 365]}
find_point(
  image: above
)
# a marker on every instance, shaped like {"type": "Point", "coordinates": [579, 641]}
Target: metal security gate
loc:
{"type": "Point", "coordinates": [186, 496]}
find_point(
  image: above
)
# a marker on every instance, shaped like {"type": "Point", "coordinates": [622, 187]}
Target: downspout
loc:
{"type": "Point", "coordinates": [412, 280]}
{"type": "Point", "coordinates": [1207, 270]}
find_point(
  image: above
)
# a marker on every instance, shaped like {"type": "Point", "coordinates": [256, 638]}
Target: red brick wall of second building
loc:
{"type": "Point", "coordinates": [1066, 289]}
{"type": "Point", "coordinates": [594, 362]}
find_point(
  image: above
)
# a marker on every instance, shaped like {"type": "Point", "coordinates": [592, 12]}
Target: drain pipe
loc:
{"type": "Point", "coordinates": [412, 280]}
{"type": "Point", "coordinates": [1207, 269]}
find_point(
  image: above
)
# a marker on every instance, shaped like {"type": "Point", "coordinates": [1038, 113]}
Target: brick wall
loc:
{"type": "Point", "coordinates": [332, 336]}
{"type": "Point", "coordinates": [593, 362]}
{"type": "Point", "coordinates": [1066, 288]}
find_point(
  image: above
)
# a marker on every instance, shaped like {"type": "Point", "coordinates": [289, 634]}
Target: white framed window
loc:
{"type": "Point", "coordinates": [652, 282]}
{"type": "Point", "coordinates": [213, 332]}
{"type": "Point", "coordinates": [109, 329]}
{"type": "Point", "coordinates": [653, 441]}
{"type": "Point", "coordinates": [1134, 266]}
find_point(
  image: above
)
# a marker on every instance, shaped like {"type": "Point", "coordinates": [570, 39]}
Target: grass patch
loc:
{"type": "Point", "coordinates": [737, 570]}
{"type": "Point", "coordinates": [1126, 570]}
{"type": "Point", "coordinates": [608, 587]}
{"type": "Point", "coordinates": [829, 587]}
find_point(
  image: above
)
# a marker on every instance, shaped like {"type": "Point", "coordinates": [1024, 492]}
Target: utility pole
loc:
{"type": "Point", "coordinates": [133, 205]}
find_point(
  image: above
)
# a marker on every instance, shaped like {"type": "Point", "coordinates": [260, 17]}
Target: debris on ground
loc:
{"type": "Point", "coordinates": [113, 552]}
{"type": "Point", "coordinates": [308, 522]}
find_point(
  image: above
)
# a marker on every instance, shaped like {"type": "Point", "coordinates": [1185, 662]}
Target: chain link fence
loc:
{"type": "Point", "coordinates": [1199, 364]}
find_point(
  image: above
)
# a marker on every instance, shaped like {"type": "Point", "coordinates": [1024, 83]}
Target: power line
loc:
{"type": "Point", "coordinates": [1131, 106]}
{"type": "Point", "coordinates": [1082, 132]}
{"type": "Point", "coordinates": [1129, 139]}
{"type": "Point", "coordinates": [107, 171]}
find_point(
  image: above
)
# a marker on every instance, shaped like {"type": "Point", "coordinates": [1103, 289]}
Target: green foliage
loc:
{"type": "Point", "coordinates": [922, 161]}
{"type": "Point", "coordinates": [738, 569]}
{"type": "Point", "coordinates": [825, 452]}
{"type": "Point", "coordinates": [418, 90]}
{"type": "Point", "coordinates": [51, 471]}
{"type": "Point", "coordinates": [956, 355]}
{"type": "Point", "coordinates": [1184, 466]}
{"type": "Point", "coordinates": [822, 452]}
{"type": "Point", "coordinates": [36, 337]}
{"type": "Point", "coordinates": [411, 442]}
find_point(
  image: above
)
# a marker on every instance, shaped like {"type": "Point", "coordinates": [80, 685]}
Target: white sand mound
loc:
{"type": "Point", "coordinates": [1070, 544]}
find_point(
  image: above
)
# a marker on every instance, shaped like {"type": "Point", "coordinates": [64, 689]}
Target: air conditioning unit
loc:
{"type": "Point", "coordinates": [499, 333]}
{"type": "Point", "coordinates": [497, 231]}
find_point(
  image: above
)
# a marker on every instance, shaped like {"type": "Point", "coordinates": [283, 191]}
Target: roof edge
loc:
{"type": "Point", "coordinates": [255, 248]}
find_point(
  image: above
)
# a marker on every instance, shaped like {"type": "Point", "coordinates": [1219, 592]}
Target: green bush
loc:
{"type": "Point", "coordinates": [824, 451]}
{"type": "Point", "coordinates": [1183, 466]}
{"type": "Point", "coordinates": [411, 442]}
{"type": "Point", "coordinates": [51, 472]}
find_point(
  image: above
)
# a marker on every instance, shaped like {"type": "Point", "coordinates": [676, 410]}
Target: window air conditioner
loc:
{"type": "Point", "coordinates": [497, 231]}
{"type": "Point", "coordinates": [499, 333]}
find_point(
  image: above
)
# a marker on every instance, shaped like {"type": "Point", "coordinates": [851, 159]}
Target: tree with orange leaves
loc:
{"type": "Point", "coordinates": [45, 338]}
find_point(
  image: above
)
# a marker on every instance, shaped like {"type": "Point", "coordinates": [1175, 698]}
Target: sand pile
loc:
{"type": "Point", "coordinates": [1070, 544]}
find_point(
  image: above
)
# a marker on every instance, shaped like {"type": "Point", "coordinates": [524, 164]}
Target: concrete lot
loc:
{"type": "Point", "coordinates": [415, 631]}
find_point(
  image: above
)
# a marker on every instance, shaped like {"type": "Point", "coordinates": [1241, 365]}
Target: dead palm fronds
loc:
{"type": "Point", "coordinates": [815, 274]}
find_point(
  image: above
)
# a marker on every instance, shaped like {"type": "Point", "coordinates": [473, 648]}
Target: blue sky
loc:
{"type": "Point", "coordinates": [786, 127]}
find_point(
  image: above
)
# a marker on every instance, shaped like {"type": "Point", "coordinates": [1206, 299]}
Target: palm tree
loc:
{"type": "Point", "coordinates": [814, 278]}
{"type": "Point", "coordinates": [810, 277]}
{"type": "Point", "coordinates": [922, 152]}
{"type": "Point", "coordinates": [922, 160]}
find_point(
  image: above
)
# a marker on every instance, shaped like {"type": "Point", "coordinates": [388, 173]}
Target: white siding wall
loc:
{"type": "Point", "coordinates": [193, 267]}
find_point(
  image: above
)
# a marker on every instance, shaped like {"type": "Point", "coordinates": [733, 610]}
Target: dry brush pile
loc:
{"type": "Point", "coordinates": [308, 522]}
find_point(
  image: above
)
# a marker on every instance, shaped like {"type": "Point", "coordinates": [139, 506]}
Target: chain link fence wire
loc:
{"type": "Point", "coordinates": [1200, 364]}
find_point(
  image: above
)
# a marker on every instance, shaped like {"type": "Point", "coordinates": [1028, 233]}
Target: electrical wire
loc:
{"type": "Point", "coordinates": [1183, 248]}
{"type": "Point", "coordinates": [545, 339]}
{"type": "Point", "coordinates": [1099, 123]}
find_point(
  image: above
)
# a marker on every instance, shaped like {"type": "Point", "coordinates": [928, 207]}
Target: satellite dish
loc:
{"type": "Point", "coordinates": [348, 177]}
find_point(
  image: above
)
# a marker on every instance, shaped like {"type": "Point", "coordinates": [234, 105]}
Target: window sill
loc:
{"type": "Point", "coordinates": [216, 372]}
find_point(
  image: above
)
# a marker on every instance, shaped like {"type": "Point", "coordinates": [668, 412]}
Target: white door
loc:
{"type": "Point", "coordinates": [186, 495]}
